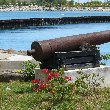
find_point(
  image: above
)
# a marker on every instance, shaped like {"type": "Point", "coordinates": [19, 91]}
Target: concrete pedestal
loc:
{"type": "Point", "coordinates": [103, 71]}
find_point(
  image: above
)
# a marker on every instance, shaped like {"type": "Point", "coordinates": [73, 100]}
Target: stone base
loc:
{"type": "Point", "coordinates": [103, 71]}
{"type": "Point", "coordinates": [7, 75]}
{"type": "Point", "coordinates": [13, 61]}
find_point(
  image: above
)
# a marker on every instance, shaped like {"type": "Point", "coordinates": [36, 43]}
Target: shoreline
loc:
{"type": "Point", "coordinates": [12, 51]}
{"type": "Point", "coordinates": [7, 8]}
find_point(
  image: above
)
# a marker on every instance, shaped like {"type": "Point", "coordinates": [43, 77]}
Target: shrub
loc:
{"type": "Point", "coordinates": [55, 84]}
{"type": "Point", "coordinates": [60, 87]}
{"type": "Point", "coordinates": [28, 70]}
{"type": "Point", "coordinates": [105, 57]}
{"type": "Point", "coordinates": [88, 82]}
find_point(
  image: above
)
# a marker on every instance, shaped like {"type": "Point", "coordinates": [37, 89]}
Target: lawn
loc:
{"type": "Point", "coordinates": [17, 95]}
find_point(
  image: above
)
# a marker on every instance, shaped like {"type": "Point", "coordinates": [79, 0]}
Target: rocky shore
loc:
{"type": "Point", "coordinates": [11, 51]}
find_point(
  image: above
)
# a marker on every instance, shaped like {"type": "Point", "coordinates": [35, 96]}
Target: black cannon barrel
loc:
{"type": "Point", "coordinates": [41, 50]}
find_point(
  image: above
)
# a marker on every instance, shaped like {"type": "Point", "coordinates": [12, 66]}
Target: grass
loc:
{"type": "Point", "coordinates": [18, 95]}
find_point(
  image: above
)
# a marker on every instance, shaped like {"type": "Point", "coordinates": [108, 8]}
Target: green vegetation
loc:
{"type": "Point", "coordinates": [84, 94]}
{"type": "Point", "coordinates": [105, 57]}
{"type": "Point", "coordinates": [19, 96]}
{"type": "Point", "coordinates": [56, 3]}
{"type": "Point", "coordinates": [28, 70]}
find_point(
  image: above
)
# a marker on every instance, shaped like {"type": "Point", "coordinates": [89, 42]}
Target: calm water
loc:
{"type": "Point", "coordinates": [49, 14]}
{"type": "Point", "coordinates": [21, 39]}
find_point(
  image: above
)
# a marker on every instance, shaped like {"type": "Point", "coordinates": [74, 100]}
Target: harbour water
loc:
{"type": "Point", "coordinates": [49, 14]}
{"type": "Point", "coordinates": [21, 39]}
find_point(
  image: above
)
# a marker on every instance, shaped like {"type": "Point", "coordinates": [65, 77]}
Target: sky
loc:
{"type": "Point", "coordinates": [86, 0]}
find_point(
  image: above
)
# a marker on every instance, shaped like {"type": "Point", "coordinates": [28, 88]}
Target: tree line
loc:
{"type": "Point", "coordinates": [50, 3]}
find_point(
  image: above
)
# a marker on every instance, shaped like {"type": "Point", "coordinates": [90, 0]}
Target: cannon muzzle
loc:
{"type": "Point", "coordinates": [30, 52]}
{"type": "Point", "coordinates": [42, 50]}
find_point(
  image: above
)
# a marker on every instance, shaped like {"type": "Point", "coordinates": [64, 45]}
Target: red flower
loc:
{"type": "Point", "coordinates": [45, 70]}
{"type": "Point", "coordinates": [35, 81]}
{"type": "Point", "coordinates": [67, 78]}
{"type": "Point", "coordinates": [49, 77]}
{"type": "Point", "coordinates": [57, 74]}
{"type": "Point", "coordinates": [52, 75]}
{"type": "Point", "coordinates": [41, 86]}
{"type": "Point", "coordinates": [34, 89]}
{"type": "Point", "coordinates": [41, 81]}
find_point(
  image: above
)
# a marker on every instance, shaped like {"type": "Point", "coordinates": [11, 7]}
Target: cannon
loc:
{"type": "Point", "coordinates": [70, 50]}
{"type": "Point", "coordinates": [41, 50]}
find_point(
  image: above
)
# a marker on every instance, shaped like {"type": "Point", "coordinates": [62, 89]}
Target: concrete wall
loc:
{"type": "Point", "coordinates": [103, 71]}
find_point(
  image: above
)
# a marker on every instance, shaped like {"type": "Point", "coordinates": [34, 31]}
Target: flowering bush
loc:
{"type": "Point", "coordinates": [58, 85]}
{"type": "Point", "coordinates": [55, 83]}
